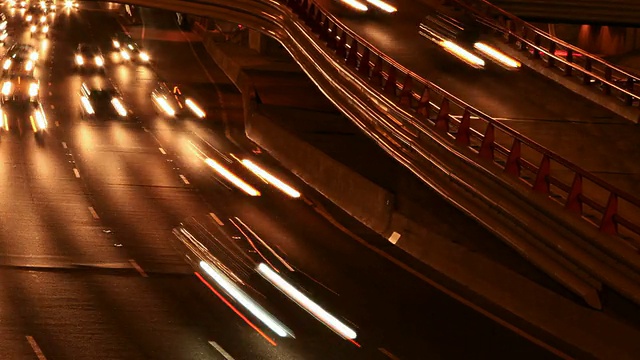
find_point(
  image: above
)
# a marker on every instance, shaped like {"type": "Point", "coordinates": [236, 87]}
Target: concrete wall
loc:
{"type": "Point", "coordinates": [359, 197]}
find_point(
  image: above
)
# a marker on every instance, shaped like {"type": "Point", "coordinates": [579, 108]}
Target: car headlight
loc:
{"type": "Point", "coordinates": [41, 120]}
{"type": "Point", "coordinates": [43, 18]}
{"type": "Point", "coordinates": [116, 44]}
{"type": "Point", "coordinates": [119, 107]}
{"type": "Point", "coordinates": [3, 36]}
{"type": "Point", "coordinates": [45, 29]}
{"type": "Point", "coordinates": [86, 104]}
{"type": "Point", "coordinates": [99, 61]}
{"type": "Point", "coordinates": [33, 56]}
{"type": "Point", "coordinates": [33, 89]}
{"type": "Point", "coordinates": [7, 64]}
{"type": "Point", "coordinates": [79, 60]}
{"type": "Point", "coordinates": [28, 66]}
{"type": "Point", "coordinates": [6, 88]}
{"type": "Point", "coordinates": [33, 28]}
{"type": "Point", "coordinates": [144, 56]}
{"type": "Point", "coordinates": [125, 55]}
{"type": "Point", "coordinates": [29, 18]}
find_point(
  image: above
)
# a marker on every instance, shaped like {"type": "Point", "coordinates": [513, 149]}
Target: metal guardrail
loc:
{"type": "Point", "coordinates": [599, 203]}
{"type": "Point", "coordinates": [571, 60]}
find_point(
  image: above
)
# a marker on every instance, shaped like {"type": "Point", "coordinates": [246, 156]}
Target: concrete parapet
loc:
{"type": "Point", "coordinates": [356, 195]}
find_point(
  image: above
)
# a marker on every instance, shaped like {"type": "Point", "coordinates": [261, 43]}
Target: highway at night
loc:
{"type": "Point", "coordinates": [90, 266]}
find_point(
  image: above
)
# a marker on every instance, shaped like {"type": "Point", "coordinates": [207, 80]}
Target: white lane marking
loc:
{"type": "Point", "coordinates": [76, 173]}
{"type": "Point", "coordinates": [50, 93]}
{"type": "Point", "coordinates": [184, 179]}
{"type": "Point", "coordinates": [388, 353]}
{"type": "Point", "coordinates": [138, 267]}
{"type": "Point", "coordinates": [145, 129]}
{"type": "Point", "coordinates": [53, 107]}
{"type": "Point", "coordinates": [64, 145]}
{"type": "Point", "coordinates": [216, 219]}
{"type": "Point", "coordinates": [394, 238]}
{"type": "Point", "coordinates": [36, 348]}
{"type": "Point", "coordinates": [221, 350]}
{"type": "Point", "coordinates": [57, 123]}
{"type": "Point", "coordinates": [93, 213]}
{"type": "Point", "coordinates": [162, 151]}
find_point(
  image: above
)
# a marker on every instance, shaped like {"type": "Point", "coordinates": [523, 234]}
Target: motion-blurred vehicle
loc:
{"type": "Point", "coordinates": [14, 114]}
{"type": "Point", "coordinates": [368, 6]}
{"type": "Point", "coordinates": [88, 56]}
{"type": "Point", "coordinates": [20, 58]}
{"type": "Point", "coordinates": [463, 39]}
{"type": "Point", "coordinates": [35, 13]}
{"type": "Point", "coordinates": [19, 88]}
{"type": "Point", "coordinates": [129, 50]}
{"type": "Point", "coordinates": [169, 101]}
{"type": "Point", "coordinates": [102, 102]}
{"type": "Point", "coordinates": [39, 28]}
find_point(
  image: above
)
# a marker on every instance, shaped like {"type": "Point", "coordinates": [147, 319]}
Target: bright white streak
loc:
{"type": "Point", "coordinates": [119, 107]}
{"type": "Point", "coordinates": [355, 4]}
{"type": "Point", "coordinates": [462, 54]}
{"type": "Point", "coordinates": [196, 110]}
{"type": "Point", "coordinates": [302, 300]}
{"type": "Point", "coordinates": [232, 177]}
{"type": "Point", "coordinates": [496, 55]}
{"type": "Point", "coordinates": [165, 105]}
{"type": "Point", "coordinates": [87, 105]}
{"type": "Point", "coordinates": [270, 178]}
{"type": "Point", "coordinates": [382, 5]}
{"type": "Point", "coordinates": [245, 300]}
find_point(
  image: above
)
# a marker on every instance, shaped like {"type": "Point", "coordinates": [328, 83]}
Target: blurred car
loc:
{"type": "Point", "coordinates": [39, 28]}
{"type": "Point", "coordinates": [129, 50]}
{"type": "Point", "coordinates": [20, 58]}
{"type": "Point", "coordinates": [88, 56]}
{"type": "Point", "coordinates": [19, 88]}
{"type": "Point", "coordinates": [172, 103]}
{"type": "Point", "coordinates": [368, 6]}
{"type": "Point", "coordinates": [35, 13]}
{"type": "Point", "coordinates": [102, 102]}
{"type": "Point", "coordinates": [14, 114]}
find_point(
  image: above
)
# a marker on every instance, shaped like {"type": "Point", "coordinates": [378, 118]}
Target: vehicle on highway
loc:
{"type": "Point", "coordinates": [88, 56]}
{"type": "Point", "coordinates": [129, 50]}
{"type": "Point", "coordinates": [20, 58]}
{"type": "Point", "coordinates": [3, 21]}
{"type": "Point", "coordinates": [171, 102]}
{"type": "Point", "coordinates": [19, 88]}
{"type": "Point", "coordinates": [14, 114]}
{"type": "Point", "coordinates": [3, 37]}
{"type": "Point", "coordinates": [39, 28]}
{"type": "Point", "coordinates": [35, 13]}
{"type": "Point", "coordinates": [463, 39]}
{"type": "Point", "coordinates": [102, 102]}
{"type": "Point", "coordinates": [368, 6]}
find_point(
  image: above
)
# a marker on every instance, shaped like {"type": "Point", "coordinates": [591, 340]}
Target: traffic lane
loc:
{"type": "Point", "coordinates": [285, 242]}
{"type": "Point", "coordinates": [100, 313]}
{"type": "Point", "coordinates": [500, 93]}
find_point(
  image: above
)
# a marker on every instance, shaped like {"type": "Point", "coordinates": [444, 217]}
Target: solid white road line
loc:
{"type": "Point", "coordinates": [184, 179]}
{"type": "Point", "coordinates": [36, 348]}
{"type": "Point", "coordinates": [221, 350]}
{"type": "Point", "coordinates": [76, 173]}
{"type": "Point", "coordinates": [93, 213]}
{"type": "Point", "coordinates": [216, 219]}
{"type": "Point", "coordinates": [162, 151]}
{"type": "Point", "coordinates": [138, 267]}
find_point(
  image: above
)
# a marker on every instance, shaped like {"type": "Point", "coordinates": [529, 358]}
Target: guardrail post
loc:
{"type": "Point", "coordinates": [488, 143]}
{"type": "Point", "coordinates": [512, 30]}
{"type": "Point", "coordinates": [586, 78]}
{"type": "Point", "coordinates": [390, 85]}
{"type": "Point", "coordinates": [442, 121]}
{"type": "Point", "coordinates": [552, 52]}
{"type": "Point", "coordinates": [541, 184]}
{"type": "Point", "coordinates": [512, 166]}
{"type": "Point", "coordinates": [607, 76]}
{"type": "Point", "coordinates": [324, 28]}
{"type": "Point", "coordinates": [352, 55]}
{"type": "Point", "coordinates": [424, 107]}
{"type": "Point", "coordinates": [341, 50]}
{"type": "Point", "coordinates": [463, 137]}
{"type": "Point", "coordinates": [364, 67]}
{"type": "Point", "coordinates": [629, 85]}
{"type": "Point", "coordinates": [376, 72]}
{"type": "Point", "coordinates": [609, 224]}
{"type": "Point", "coordinates": [574, 199]}
{"type": "Point", "coordinates": [332, 43]}
{"type": "Point", "coordinates": [316, 22]}
{"type": "Point", "coordinates": [536, 41]}
{"type": "Point", "coordinates": [405, 93]}
{"type": "Point", "coordinates": [567, 67]}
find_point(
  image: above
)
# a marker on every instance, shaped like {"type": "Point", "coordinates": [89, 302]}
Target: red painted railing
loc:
{"type": "Point", "coordinates": [607, 207]}
{"type": "Point", "coordinates": [571, 60]}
